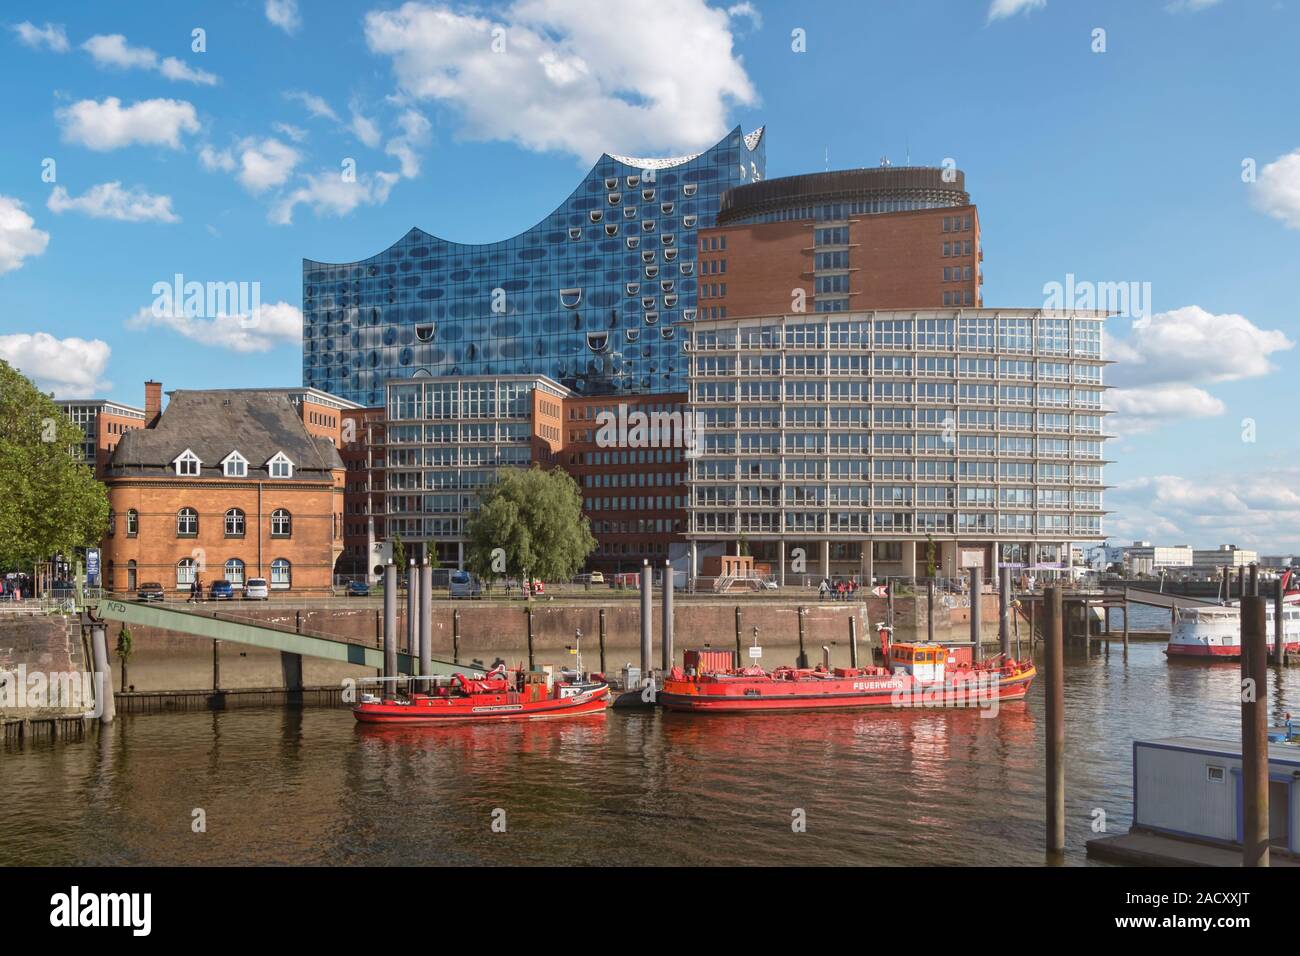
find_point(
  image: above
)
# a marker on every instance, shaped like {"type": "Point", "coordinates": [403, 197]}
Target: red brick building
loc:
{"type": "Point", "coordinates": [224, 484]}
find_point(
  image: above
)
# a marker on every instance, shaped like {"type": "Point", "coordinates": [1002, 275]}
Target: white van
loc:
{"type": "Point", "coordinates": [256, 590]}
{"type": "Point", "coordinates": [462, 584]}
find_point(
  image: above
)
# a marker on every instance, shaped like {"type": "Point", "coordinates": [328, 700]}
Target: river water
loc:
{"type": "Point", "coordinates": [276, 786]}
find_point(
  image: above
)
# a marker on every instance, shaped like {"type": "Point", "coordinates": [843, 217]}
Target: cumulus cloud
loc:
{"type": "Point", "coordinates": [1258, 508]}
{"type": "Point", "coordinates": [70, 368]}
{"type": "Point", "coordinates": [364, 128]}
{"type": "Point", "coordinates": [567, 80]}
{"type": "Point", "coordinates": [258, 164]}
{"type": "Point", "coordinates": [113, 50]}
{"type": "Point", "coordinates": [329, 194]}
{"type": "Point", "coordinates": [1164, 362]}
{"type": "Point", "coordinates": [1001, 9]}
{"type": "Point", "coordinates": [284, 14]}
{"type": "Point", "coordinates": [19, 237]}
{"type": "Point", "coordinates": [107, 125]}
{"type": "Point", "coordinates": [415, 133]}
{"type": "Point", "coordinates": [50, 37]}
{"type": "Point", "coordinates": [295, 133]}
{"type": "Point", "coordinates": [111, 201]}
{"type": "Point", "coordinates": [258, 331]}
{"type": "Point", "coordinates": [1277, 191]}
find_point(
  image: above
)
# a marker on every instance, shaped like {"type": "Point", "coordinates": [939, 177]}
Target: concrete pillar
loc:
{"type": "Point", "coordinates": [869, 555]}
{"type": "Point", "coordinates": [909, 559]}
{"type": "Point", "coordinates": [103, 673]}
{"type": "Point", "coordinates": [1004, 612]}
{"type": "Point", "coordinates": [695, 565]}
{"type": "Point", "coordinates": [826, 559]}
{"type": "Point", "coordinates": [647, 588]}
{"type": "Point", "coordinates": [426, 619]}
{"type": "Point", "coordinates": [976, 611]}
{"type": "Point", "coordinates": [460, 555]}
{"type": "Point", "coordinates": [780, 563]}
{"type": "Point", "coordinates": [390, 622]}
{"type": "Point", "coordinates": [667, 622]}
{"type": "Point", "coordinates": [413, 612]}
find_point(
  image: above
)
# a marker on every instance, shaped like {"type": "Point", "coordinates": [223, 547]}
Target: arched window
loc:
{"type": "Point", "coordinates": [281, 523]}
{"type": "Point", "coordinates": [234, 523]}
{"type": "Point", "coordinates": [281, 574]}
{"type": "Point", "coordinates": [235, 572]}
{"type": "Point", "coordinates": [187, 523]}
{"type": "Point", "coordinates": [132, 523]}
{"type": "Point", "coordinates": [184, 573]}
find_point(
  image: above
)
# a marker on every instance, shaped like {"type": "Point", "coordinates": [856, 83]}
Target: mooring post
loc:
{"type": "Point", "coordinates": [413, 612]}
{"type": "Point", "coordinates": [1125, 628]}
{"type": "Point", "coordinates": [1032, 636]}
{"type": "Point", "coordinates": [528, 613]}
{"type": "Point", "coordinates": [1241, 581]}
{"type": "Point", "coordinates": [1253, 589]}
{"type": "Point", "coordinates": [390, 623]}
{"type": "Point", "coordinates": [1254, 731]}
{"type": "Point", "coordinates": [103, 673]}
{"type": "Point", "coordinates": [602, 640]}
{"type": "Point", "coordinates": [929, 610]}
{"type": "Point", "coordinates": [426, 621]}
{"type": "Point", "coordinates": [1004, 612]}
{"type": "Point", "coordinates": [803, 657]}
{"type": "Point", "coordinates": [976, 615]}
{"type": "Point", "coordinates": [738, 651]}
{"type": "Point", "coordinates": [1054, 649]}
{"type": "Point", "coordinates": [216, 667]}
{"type": "Point", "coordinates": [455, 636]}
{"type": "Point", "coordinates": [853, 639]}
{"type": "Point", "coordinates": [889, 598]}
{"type": "Point", "coordinates": [1279, 633]}
{"type": "Point", "coordinates": [647, 619]}
{"type": "Point", "coordinates": [667, 622]}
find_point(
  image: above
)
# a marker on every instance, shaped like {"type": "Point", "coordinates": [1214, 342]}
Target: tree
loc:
{"type": "Point", "coordinates": [929, 556]}
{"type": "Point", "coordinates": [51, 502]}
{"type": "Point", "coordinates": [399, 557]}
{"type": "Point", "coordinates": [535, 517]}
{"type": "Point", "coordinates": [125, 649]}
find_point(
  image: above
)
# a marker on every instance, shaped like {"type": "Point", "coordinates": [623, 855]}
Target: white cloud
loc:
{"type": "Point", "coordinates": [746, 9]}
{"type": "Point", "coordinates": [1258, 508]}
{"type": "Point", "coordinates": [70, 368]}
{"type": "Point", "coordinates": [415, 132]}
{"type": "Point", "coordinates": [295, 133]}
{"type": "Point", "coordinates": [316, 105]}
{"type": "Point", "coordinates": [364, 129]}
{"type": "Point", "coordinates": [570, 80]}
{"type": "Point", "coordinates": [51, 36]}
{"type": "Point", "coordinates": [1190, 6]}
{"type": "Point", "coordinates": [329, 194]}
{"type": "Point", "coordinates": [106, 125]}
{"type": "Point", "coordinates": [111, 201]}
{"type": "Point", "coordinates": [260, 331]}
{"type": "Point", "coordinates": [1165, 359]}
{"type": "Point", "coordinates": [113, 50]}
{"type": "Point", "coordinates": [1001, 9]}
{"type": "Point", "coordinates": [1277, 191]}
{"type": "Point", "coordinates": [19, 237]}
{"type": "Point", "coordinates": [284, 14]}
{"type": "Point", "coordinates": [259, 164]}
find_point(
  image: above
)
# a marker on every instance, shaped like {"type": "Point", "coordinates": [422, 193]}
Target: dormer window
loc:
{"type": "Point", "coordinates": [234, 465]}
{"type": "Point", "coordinates": [280, 466]}
{"type": "Point", "coordinates": [187, 464]}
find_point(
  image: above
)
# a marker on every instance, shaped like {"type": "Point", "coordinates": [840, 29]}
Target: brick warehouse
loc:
{"type": "Point", "coordinates": [225, 484]}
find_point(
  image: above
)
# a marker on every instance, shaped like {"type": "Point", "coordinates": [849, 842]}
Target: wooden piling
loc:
{"type": "Point", "coordinates": [666, 624]}
{"type": "Point", "coordinates": [1054, 649]}
{"type": "Point", "coordinates": [1004, 612]}
{"type": "Point", "coordinates": [216, 667]}
{"type": "Point", "coordinates": [1254, 731]}
{"type": "Point", "coordinates": [390, 621]}
{"type": "Point", "coordinates": [1279, 632]}
{"type": "Point", "coordinates": [976, 612]}
{"type": "Point", "coordinates": [929, 610]}
{"type": "Point", "coordinates": [1126, 628]}
{"type": "Point", "coordinates": [528, 614]}
{"type": "Point", "coordinates": [455, 636]}
{"type": "Point", "coordinates": [647, 619]}
{"type": "Point", "coordinates": [739, 655]}
{"type": "Point", "coordinates": [602, 640]}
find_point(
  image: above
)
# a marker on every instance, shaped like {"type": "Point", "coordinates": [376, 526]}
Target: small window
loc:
{"type": "Point", "coordinates": [575, 234]}
{"type": "Point", "coordinates": [689, 189]}
{"type": "Point", "coordinates": [611, 183]}
{"type": "Point", "coordinates": [234, 523]}
{"type": "Point", "coordinates": [633, 241]}
{"type": "Point", "coordinates": [185, 573]}
{"type": "Point", "coordinates": [647, 225]}
{"type": "Point", "coordinates": [633, 288]}
{"type": "Point", "coordinates": [234, 465]}
{"type": "Point", "coordinates": [280, 466]}
{"type": "Point", "coordinates": [187, 523]}
{"type": "Point", "coordinates": [666, 208]}
{"type": "Point", "coordinates": [570, 298]}
{"type": "Point", "coordinates": [611, 229]}
{"type": "Point", "coordinates": [281, 523]}
{"type": "Point", "coordinates": [670, 255]}
{"type": "Point", "coordinates": [235, 572]}
{"type": "Point", "coordinates": [425, 332]}
{"type": "Point", "coordinates": [614, 198]}
{"type": "Point", "coordinates": [1214, 774]}
{"type": "Point", "coordinates": [132, 523]}
{"type": "Point", "coordinates": [281, 574]}
{"type": "Point", "coordinates": [596, 215]}
{"type": "Point", "coordinates": [648, 195]}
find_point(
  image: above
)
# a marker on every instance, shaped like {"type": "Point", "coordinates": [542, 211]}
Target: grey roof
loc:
{"type": "Point", "coordinates": [212, 424]}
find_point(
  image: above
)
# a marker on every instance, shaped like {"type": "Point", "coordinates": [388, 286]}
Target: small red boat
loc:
{"type": "Point", "coordinates": [914, 675]}
{"type": "Point", "coordinates": [502, 694]}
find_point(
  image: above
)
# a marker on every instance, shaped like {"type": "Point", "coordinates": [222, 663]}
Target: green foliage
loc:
{"type": "Point", "coordinates": [399, 555]}
{"type": "Point", "coordinates": [929, 556]}
{"type": "Point", "coordinates": [51, 502]}
{"type": "Point", "coordinates": [536, 517]}
{"type": "Point", "coordinates": [742, 545]}
{"type": "Point", "coordinates": [125, 648]}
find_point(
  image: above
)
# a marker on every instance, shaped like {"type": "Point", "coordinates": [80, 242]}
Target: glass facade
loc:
{"type": "Point", "coordinates": [590, 297]}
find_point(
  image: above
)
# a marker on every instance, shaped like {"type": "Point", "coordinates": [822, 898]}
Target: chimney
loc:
{"type": "Point", "coordinates": [152, 402]}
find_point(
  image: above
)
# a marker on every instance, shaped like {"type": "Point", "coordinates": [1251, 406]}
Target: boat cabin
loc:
{"type": "Point", "coordinates": [925, 662]}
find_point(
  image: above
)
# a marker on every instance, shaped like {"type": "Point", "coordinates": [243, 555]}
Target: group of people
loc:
{"type": "Point", "coordinates": [15, 587]}
{"type": "Point", "coordinates": [841, 590]}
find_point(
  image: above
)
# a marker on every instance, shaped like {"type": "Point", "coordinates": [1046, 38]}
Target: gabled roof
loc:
{"type": "Point", "coordinates": [210, 423]}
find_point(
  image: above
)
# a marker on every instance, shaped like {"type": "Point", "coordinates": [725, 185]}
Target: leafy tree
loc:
{"type": "Point", "coordinates": [125, 648]}
{"type": "Point", "coordinates": [51, 502]}
{"type": "Point", "coordinates": [536, 517]}
{"type": "Point", "coordinates": [929, 556]}
{"type": "Point", "coordinates": [399, 557]}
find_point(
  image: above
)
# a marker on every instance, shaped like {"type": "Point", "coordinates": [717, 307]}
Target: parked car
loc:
{"type": "Point", "coordinates": [357, 589]}
{"type": "Point", "coordinates": [597, 577]}
{"type": "Point", "coordinates": [221, 590]}
{"type": "Point", "coordinates": [256, 590]}
{"type": "Point", "coordinates": [151, 591]}
{"type": "Point", "coordinates": [462, 584]}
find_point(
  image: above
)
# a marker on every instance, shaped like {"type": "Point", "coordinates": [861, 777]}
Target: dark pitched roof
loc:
{"type": "Point", "coordinates": [213, 424]}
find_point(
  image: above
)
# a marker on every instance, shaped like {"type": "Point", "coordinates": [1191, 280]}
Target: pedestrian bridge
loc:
{"type": "Point", "coordinates": [214, 625]}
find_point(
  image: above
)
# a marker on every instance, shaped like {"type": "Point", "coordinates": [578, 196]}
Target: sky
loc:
{"type": "Point", "coordinates": [1145, 145]}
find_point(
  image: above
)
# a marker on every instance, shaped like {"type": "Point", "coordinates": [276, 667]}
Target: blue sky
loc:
{"type": "Point", "coordinates": [1117, 166]}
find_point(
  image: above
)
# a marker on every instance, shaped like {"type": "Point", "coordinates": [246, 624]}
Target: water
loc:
{"type": "Point", "coordinates": [900, 787]}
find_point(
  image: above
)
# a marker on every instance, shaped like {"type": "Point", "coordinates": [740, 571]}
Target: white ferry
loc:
{"type": "Point", "coordinates": [1215, 630]}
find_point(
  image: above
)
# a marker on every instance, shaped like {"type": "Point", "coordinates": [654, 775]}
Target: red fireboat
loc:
{"type": "Point", "coordinates": [913, 675]}
{"type": "Point", "coordinates": [502, 694]}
